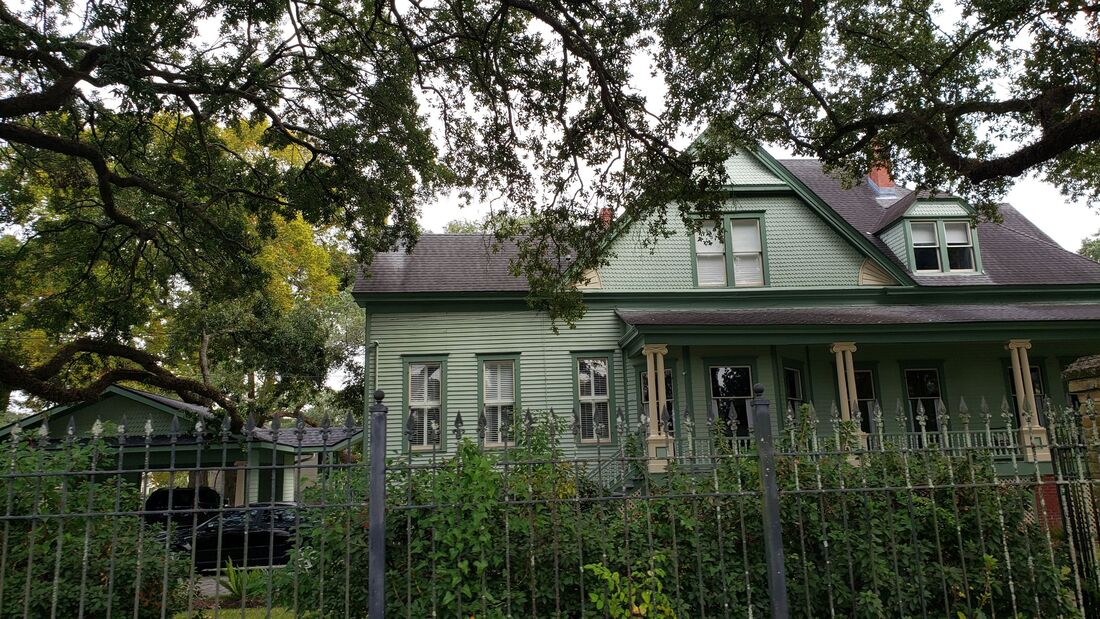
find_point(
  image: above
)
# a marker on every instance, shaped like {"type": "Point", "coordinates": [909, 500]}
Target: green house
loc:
{"type": "Point", "coordinates": [145, 435]}
{"type": "Point", "coordinates": [837, 297]}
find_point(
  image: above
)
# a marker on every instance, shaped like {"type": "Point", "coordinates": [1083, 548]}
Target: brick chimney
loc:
{"type": "Point", "coordinates": [878, 179]}
{"type": "Point", "coordinates": [605, 217]}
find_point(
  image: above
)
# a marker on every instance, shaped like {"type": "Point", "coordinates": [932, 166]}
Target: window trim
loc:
{"type": "Point", "coordinates": [754, 379]}
{"type": "Point", "coordinates": [574, 358]}
{"type": "Point", "coordinates": [919, 364]}
{"type": "Point", "coordinates": [939, 245]}
{"type": "Point", "coordinates": [517, 401]}
{"type": "Point", "coordinates": [941, 240]}
{"type": "Point", "coordinates": [800, 367]}
{"type": "Point", "coordinates": [727, 232]}
{"type": "Point", "coordinates": [970, 235]}
{"type": "Point", "coordinates": [406, 361]}
{"type": "Point", "coordinates": [872, 367]}
{"type": "Point", "coordinates": [719, 224]}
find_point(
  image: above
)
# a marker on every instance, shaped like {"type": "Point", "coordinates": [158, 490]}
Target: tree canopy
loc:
{"type": "Point", "coordinates": [161, 161]}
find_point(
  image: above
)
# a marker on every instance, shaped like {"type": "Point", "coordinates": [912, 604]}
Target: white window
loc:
{"type": "Point", "coordinates": [710, 255]}
{"type": "Point", "coordinates": [425, 403]}
{"type": "Point", "coordinates": [594, 398]}
{"type": "Point", "coordinates": [498, 400]}
{"type": "Point", "coordinates": [960, 245]}
{"type": "Point", "coordinates": [792, 380]}
{"type": "Point", "coordinates": [926, 246]}
{"type": "Point", "coordinates": [748, 255]}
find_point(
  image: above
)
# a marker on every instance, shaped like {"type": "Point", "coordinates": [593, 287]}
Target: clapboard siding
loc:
{"type": "Point", "coordinates": [802, 249]}
{"type": "Point", "coordinates": [546, 370]}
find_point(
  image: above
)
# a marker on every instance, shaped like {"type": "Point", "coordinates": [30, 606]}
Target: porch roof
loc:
{"type": "Point", "coordinates": [865, 323]}
{"type": "Point", "coordinates": [865, 315]}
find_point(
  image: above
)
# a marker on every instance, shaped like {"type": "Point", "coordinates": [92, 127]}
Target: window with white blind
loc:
{"type": "Point", "coordinates": [594, 398]}
{"type": "Point", "coordinates": [498, 395]}
{"type": "Point", "coordinates": [425, 381]}
{"type": "Point", "coordinates": [748, 253]}
{"type": "Point", "coordinates": [729, 253]}
{"type": "Point", "coordinates": [960, 245]}
{"type": "Point", "coordinates": [926, 246]}
{"type": "Point", "coordinates": [710, 255]}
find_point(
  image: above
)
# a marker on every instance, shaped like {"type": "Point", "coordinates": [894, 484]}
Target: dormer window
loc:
{"type": "Point", "coordinates": [943, 247]}
{"type": "Point", "coordinates": [926, 246]}
{"type": "Point", "coordinates": [960, 245]}
{"type": "Point", "coordinates": [729, 252]}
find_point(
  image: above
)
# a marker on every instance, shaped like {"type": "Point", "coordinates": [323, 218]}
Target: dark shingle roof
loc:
{"type": "Point", "coordinates": [1015, 252]}
{"type": "Point", "coordinates": [864, 315]}
{"type": "Point", "coordinates": [307, 438]}
{"type": "Point", "coordinates": [444, 263]}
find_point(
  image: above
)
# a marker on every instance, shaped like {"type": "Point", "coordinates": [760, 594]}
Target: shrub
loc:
{"type": "Point", "coordinates": [525, 533]}
{"type": "Point", "coordinates": [102, 565]}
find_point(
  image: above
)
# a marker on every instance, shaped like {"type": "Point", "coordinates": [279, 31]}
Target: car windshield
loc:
{"type": "Point", "coordinates": [257, 517]}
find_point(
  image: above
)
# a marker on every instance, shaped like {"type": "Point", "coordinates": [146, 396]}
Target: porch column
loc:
{"type": "Point", "coordinates": [658, 447]}
{"type": "Point", "coordinates": [1033, 436]}
{"type": "Point", "coordinates": [845, 377]}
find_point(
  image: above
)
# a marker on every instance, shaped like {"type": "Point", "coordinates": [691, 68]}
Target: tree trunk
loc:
{"type": "Point", "coordinates": [204, 361]}
{"type": "Point", "coordinates": [5, 399]}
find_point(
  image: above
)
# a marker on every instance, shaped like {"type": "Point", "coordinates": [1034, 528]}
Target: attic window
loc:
{"type": "Point", "coordinates": [960, 247]}
{"type": "Point", "coordinates": [943, 247]}
{"type": "Point", "coordinates": [926, 246]}
{"type": "Point", "coordinates": [730, 252]}
{"type": "Point", "coordinates": [710, 255]}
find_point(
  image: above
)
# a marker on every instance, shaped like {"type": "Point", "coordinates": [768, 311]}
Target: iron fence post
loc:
{"type": "Point", "coordinates": [376, 568]}
{"type": "Point", "coordinates": [773, 531]}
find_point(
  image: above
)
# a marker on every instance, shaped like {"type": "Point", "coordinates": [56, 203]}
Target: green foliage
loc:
{"type": "Point", "coordinates": [244, 584]}
{"type": "Point", "coordinates": [1090, 247]}
{"type": "Point", "coordinates": [105, 565]}
{"type": "Point", "coordinates": [639, 594]}
{"type": "Point", "coordinates": [524, 531]}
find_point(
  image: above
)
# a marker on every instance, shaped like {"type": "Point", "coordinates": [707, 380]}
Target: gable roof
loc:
{"type": "Point", "coordinates": [1015, 252]}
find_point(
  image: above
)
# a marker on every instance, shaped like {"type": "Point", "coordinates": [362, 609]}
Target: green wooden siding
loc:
{"type": "Point", "coordinates": [546, 362]}
{"type": "Point", "coordinates": [744, 168]}
{"type": "Point", "coordinates": [937, 209]}
{"type": "Point", "coordinates": [802, 250]}
{"type": "Point", "coordinates": [895, 239]}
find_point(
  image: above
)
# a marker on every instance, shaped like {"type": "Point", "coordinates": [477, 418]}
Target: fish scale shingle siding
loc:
{"type": "Point", "coordinates": [933, 209]}
{"type": "Point", "coordinates": [546, 374]}
{"type": "Point", "coordinates": [895, 240]}
{"type": "Point", "coordinates": [803, 250]}
{"type": "Point", "coordinates": [745, 169]}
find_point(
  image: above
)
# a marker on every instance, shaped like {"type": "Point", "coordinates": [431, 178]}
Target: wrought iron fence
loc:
{"type": "Point", "coordinates": [808, 517]}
